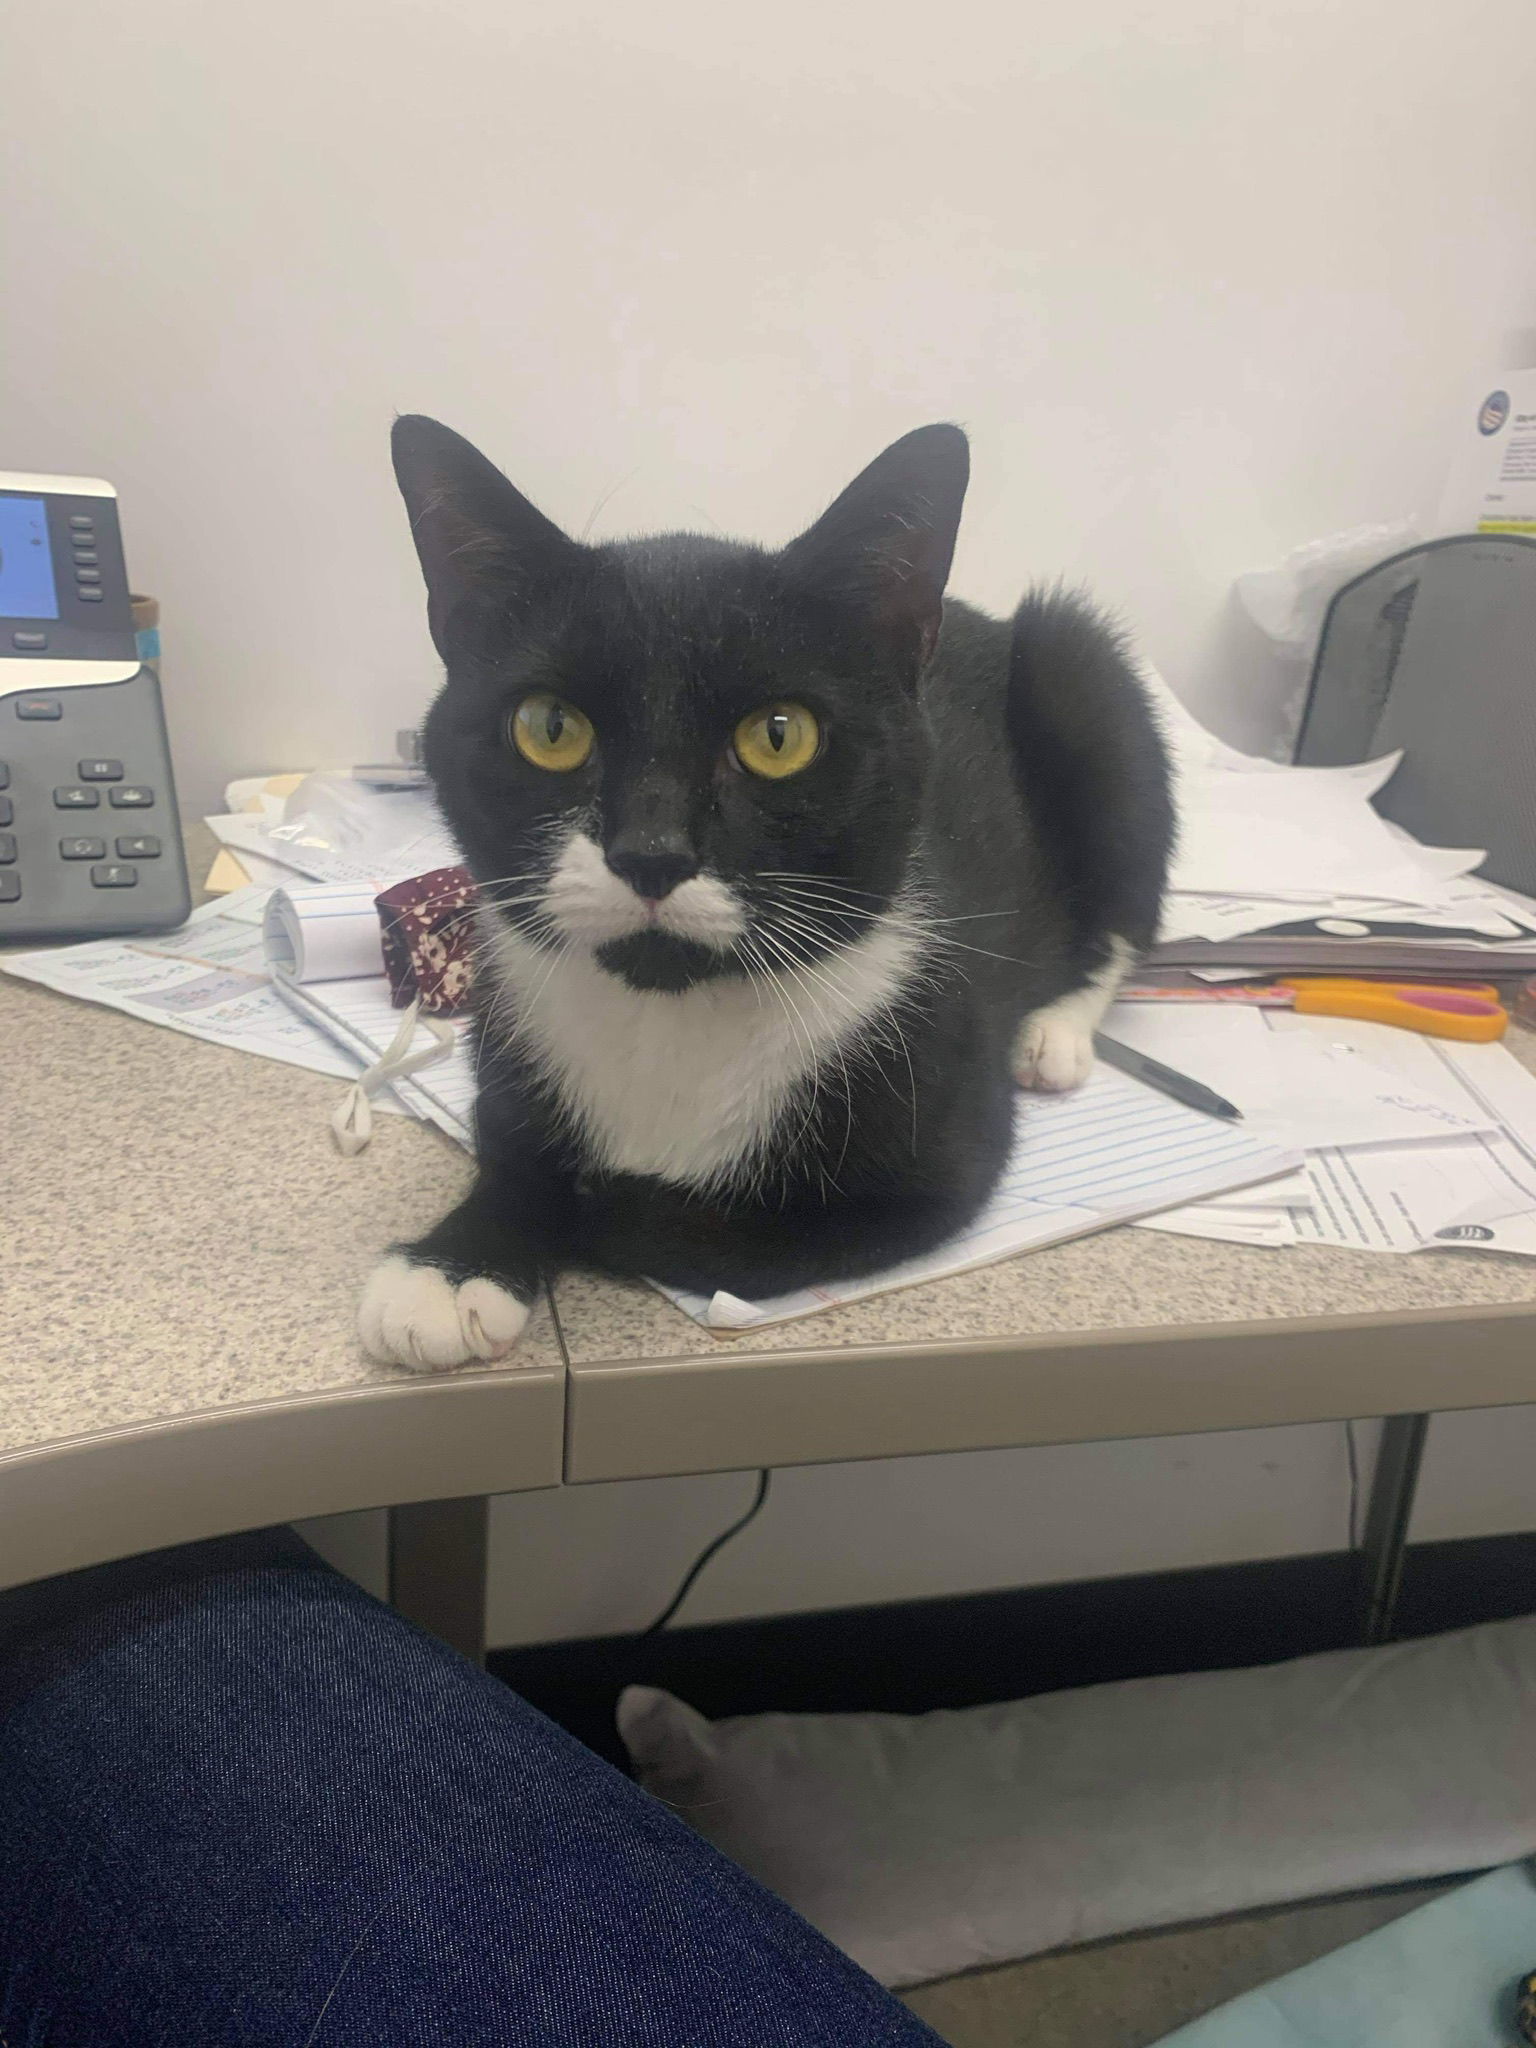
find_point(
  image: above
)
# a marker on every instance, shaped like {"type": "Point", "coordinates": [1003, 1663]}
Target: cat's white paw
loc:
{"type": "Point", "coordinates": [1054, 1050]}
{"type": "Point", "coordinates": [416, 1316]}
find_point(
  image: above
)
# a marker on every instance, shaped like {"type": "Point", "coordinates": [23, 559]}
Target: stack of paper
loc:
{"type": "Point", "coordinates": [329, 827]}
{"type": "Point", "coordinates": [1294, 867]}
{"type": "Point", "coordinates": [1409, 1142]}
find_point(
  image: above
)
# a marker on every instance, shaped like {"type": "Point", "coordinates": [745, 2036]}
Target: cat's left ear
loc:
{"type": "Point", "coordinates": [884, 547]}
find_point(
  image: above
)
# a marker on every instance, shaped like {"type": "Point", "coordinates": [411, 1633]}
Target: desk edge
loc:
{"type": "Point", "coordinates": [83, 1499]}
{"type": "Point", "coordinates": [703, 1413]}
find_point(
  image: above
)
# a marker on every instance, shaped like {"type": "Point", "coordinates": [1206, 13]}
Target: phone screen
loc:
{"type": "Point", "coordinates": [27, 588]}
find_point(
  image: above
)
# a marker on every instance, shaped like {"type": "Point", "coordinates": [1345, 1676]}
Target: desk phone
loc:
{"type": "Point", "coordinates": [90, 839]}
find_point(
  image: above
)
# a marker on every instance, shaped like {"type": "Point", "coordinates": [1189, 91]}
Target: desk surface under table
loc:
{"type": "Point", "coordinates": [184, 1248]}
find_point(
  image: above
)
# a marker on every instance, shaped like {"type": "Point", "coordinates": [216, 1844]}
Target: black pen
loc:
{"type": "Point", "coordinates": [1180, 1086]}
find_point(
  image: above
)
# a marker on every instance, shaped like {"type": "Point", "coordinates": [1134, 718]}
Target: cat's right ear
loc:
{"type": "Point", "coordinates": [476, 535]}
{"type": "Point", "coordinates": [884, 547]}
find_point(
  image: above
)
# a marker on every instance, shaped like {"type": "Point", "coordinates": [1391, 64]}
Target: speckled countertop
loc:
{"type": "Point", "coordinates": [180, 1232]}
{"type": "Point", "coordinates": [1118, 1280]}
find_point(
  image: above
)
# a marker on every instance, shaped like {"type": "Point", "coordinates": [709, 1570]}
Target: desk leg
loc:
{"type": "Point", "coordinates": [1387, 1515]}
{"type": "Point", "coordinates": [437, 1574]}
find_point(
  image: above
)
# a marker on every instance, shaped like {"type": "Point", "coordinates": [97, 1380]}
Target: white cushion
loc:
{"type": "Point", "coordinates": [933, 1843]}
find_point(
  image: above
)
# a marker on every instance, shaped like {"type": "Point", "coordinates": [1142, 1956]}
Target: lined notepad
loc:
{"type": "Point", "coordinates": [1111, 1151]}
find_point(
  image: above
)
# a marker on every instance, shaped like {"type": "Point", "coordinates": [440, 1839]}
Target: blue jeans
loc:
{"type": "Point", "coordinates": [243, 1803]}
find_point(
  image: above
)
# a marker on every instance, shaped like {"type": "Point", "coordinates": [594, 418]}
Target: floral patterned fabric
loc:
{"type": "Point", "coordinates": [426, 926]}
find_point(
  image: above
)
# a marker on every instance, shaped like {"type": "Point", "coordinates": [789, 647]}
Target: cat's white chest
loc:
{"type": "Point", "coordinates": [689, 1087]}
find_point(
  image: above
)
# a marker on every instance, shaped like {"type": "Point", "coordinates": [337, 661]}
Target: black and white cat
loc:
{"type": "Point", "coordinates": [790, 872]}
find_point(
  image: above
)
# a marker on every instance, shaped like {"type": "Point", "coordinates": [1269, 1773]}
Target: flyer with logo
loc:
{"type": "Point", "coordinates": [1492, 486]}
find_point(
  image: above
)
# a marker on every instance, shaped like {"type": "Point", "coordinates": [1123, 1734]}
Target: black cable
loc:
{"type": "Point", "coordinates": [710, 1550]}
{"type": "Point", "coordinates": [1353, 1455]}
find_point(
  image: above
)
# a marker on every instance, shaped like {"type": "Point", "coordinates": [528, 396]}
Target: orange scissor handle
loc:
{"type": "Point", "coordinates": [1469, 1010]}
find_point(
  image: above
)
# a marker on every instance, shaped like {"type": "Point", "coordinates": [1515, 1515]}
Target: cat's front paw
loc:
{"type": "Point", "coordinates": [415, 1315]}
{"type": "Point", "coordinates": [1053, 1051]}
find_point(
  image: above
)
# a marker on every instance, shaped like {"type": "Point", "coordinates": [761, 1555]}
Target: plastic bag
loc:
{"type": "Point", "coordinates": [331, 817]}
{"type": "Point", "coordinates": [1289, 602]}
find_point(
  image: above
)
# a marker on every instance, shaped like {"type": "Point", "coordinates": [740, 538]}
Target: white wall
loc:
{"type": "Point", "coordinates": [1203, 277]}
{"type": "Point", "coordinates": [1198, 274]}
{"type": "Point", "coordinates": [596, 1559]}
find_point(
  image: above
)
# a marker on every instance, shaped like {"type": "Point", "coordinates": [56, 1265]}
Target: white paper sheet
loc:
{"type": "Point", "coordinates": [1301, 832]}
{"type": "Point", "coordinates": [207, 980]}
{"type": "Point", "coordinates": [1266, 1229]}
{"type": "Point", "coordinates": [1491, 487]}
{"type": "Point", "coordinates": [1298, 1089]}
{"type": "Point", "coordinates": [1409, 1198]}
{"type": "Point", "coordinates": [1230, 881]}
{"type": "Point", "coordinates": [1260, 1215]}
{"type": "Point", "coordinates": [1290, 1191]}
{"type": "Point", "coordinates": [1450, 908]}
{"type": "Point", "coordinates": [312, 863]}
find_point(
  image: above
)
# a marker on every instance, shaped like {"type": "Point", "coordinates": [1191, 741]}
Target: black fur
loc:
{"type": "Point", "coordinates": [1012, 773]}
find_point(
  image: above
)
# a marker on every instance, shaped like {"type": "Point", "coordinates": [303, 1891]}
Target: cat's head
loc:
{"type": "Point", "coordinates": [687, 757]}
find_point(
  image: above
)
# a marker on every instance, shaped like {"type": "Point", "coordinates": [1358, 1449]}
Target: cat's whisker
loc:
{"type": "Point", "coordinates": [520, 1005]}
{"type": "Point", "coordinates": [755, 1167]}
{"type": "Point", "coordinates": [795, 1023]}
{"type": "Point", "coordinates": [930, 922]}
{"type": "Point", "coordinates": [886, 1016]}
{"type": "Point", "coordinates": [468, 914]}
{"type": "Point", "coordinates": [911, 921]}
{"type": "Point", "coordinates": [831, 890]}
{"type": "Point", "coordinates": [803, 920]}
{"type": "Point", "coordinates": [771, 982]}
{"type": "Point", "coordinates": [840, 998]}
{"type": "Point", "coordinates": [791, 875]}
{"type": "Point", "coordinates": [499, 1022]}
{"type": "Point", "coordinates": [807, 1036]}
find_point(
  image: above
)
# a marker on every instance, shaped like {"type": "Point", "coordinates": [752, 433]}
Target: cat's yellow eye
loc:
{"type": "Point", "coordinates": [551, 733]}
{"type": "Point", "coordinates": [779, 740]}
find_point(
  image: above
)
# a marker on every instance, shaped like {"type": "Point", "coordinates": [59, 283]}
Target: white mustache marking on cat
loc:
{"type": "Point", "coordinates": [589, 903]}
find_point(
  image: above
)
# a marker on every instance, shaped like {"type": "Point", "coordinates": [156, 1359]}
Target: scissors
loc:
{"type": "Point", "coordinates": [1469, 1010]}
